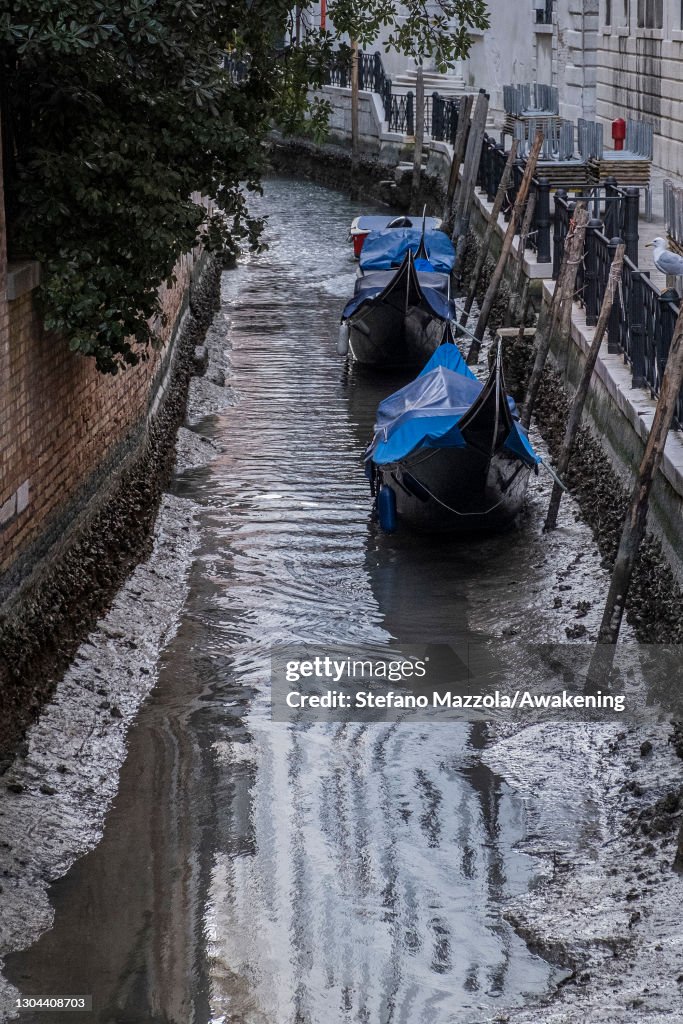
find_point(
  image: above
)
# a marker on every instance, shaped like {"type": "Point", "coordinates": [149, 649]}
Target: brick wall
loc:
{"type": "Point", "coordinates": [60, 420]}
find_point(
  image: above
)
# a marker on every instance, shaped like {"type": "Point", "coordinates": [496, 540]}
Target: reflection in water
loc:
{"type": "Point", "coordinates": [262, 873]}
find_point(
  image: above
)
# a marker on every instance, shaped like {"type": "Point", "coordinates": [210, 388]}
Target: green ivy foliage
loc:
{"type": "Point", "coordinates": [115, 114]}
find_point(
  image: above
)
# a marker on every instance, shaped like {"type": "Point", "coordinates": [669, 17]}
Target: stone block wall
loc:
{"type": "Point", "coordinates": [369, 116]}
{"type": "Point", "coordinates": [639, 76]}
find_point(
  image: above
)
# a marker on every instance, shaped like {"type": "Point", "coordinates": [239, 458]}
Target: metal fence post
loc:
{"type": "Point", "coordinates": [611, 218]}
{"type": "Point", "coordinates": [637, 331]}
{"type": "Point", "coordinates": [410, 114]}
{"type": "Point", "coordinates": [613, 340]}
{"type": "Point", "coordinates": [558, 236]}
{"type": "Point", "coordinates": [542, 221]}
{"type": "Point", "coordinates": [387, 100]}
{"type": "Point", "coordinates": [590, 274]}
{"type": "Point", "coordinates": [437, 131]}
{"type": "Point", "coordinates": [630, 230]}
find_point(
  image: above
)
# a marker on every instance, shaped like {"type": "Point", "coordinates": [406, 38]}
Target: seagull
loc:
{"type": "Point", "coordinates": [669, 263]}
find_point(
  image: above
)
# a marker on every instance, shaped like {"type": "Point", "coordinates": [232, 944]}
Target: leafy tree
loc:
{"type": "Point", "coordinates": [115, 113]}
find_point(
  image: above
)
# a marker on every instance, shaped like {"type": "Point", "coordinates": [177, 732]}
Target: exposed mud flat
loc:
{"type": "Point", "coordinates": [610, 905]}
{"type": "Point", "coordinates": [55, 796]}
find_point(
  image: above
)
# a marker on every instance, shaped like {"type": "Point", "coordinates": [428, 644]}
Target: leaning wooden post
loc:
{"type": "Point", "coordinates": [354, 100]}
{"type": "Point", "coordinates": [419, 131]}
{"type": "Point", "coordinates": [490, 228]}
{"type": "Point", "coordinates": [564, 292]}
{"type": "Point", "coordinates": [634, 525]}
{"type": "Point", "coordinates": [463, 205]}
{"type": "Point", "coordinates": [464, 111]}
{"type": "Point", "coordinates": [515, 301]}
{"type": "Point", "coordinates": [497, 275]}
{"type": "Point", "coordinates": [574, 418]}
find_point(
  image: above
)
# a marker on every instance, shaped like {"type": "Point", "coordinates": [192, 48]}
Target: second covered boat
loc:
{"type": "Point", "coordinates": [449, 452]}
{"type": "Point", "coordinates": [401, 299]}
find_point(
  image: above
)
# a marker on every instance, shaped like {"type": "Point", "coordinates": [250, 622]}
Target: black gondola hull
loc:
{"type": "Point", "coordinates": [457, 490]}
{"type": "Point", "coordinates": [401, 324]}
{"type": "Point", "coordinates": [388, 337]}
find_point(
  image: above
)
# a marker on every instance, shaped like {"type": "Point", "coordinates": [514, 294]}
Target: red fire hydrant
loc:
{"type": "Point", "coordinates": [619, 132]}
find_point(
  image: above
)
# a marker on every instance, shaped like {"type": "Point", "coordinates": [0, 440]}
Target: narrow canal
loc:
{"type": "Point", "coordinates": [252, 871]}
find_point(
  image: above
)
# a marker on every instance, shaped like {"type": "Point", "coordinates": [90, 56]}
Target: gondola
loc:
{"type": "Point", "coordinates": [401, 299]}
{"type": "Point", "coordinates": [363, 226]}
{"type": "Point", "coordinates": [449, 452]}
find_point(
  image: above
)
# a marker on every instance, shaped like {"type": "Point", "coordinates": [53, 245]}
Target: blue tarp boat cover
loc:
{"type": "Point", "coordinates": [377, 223]}
{"type": "Point", "coordinates": [425, 413]}
{"type": "Point", "coordinates": [435, 288]}
{"type": "Point", "coordinates": [384, 250]}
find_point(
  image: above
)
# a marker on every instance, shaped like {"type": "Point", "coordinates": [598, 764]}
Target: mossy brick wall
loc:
{"type": "Point", "coordinates": [61, 420]}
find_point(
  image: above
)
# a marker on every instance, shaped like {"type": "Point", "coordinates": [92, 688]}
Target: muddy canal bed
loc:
{"type": "Point", "coordinates": [169, 849]}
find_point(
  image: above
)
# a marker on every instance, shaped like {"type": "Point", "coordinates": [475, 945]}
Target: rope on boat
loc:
{"type": "Point", "coordinates": [549, 469]}
{"type": "Point", "coordinates": [443, 504]}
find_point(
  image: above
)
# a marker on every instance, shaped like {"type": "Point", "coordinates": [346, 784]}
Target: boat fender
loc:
{"type": "Point", "coordinates": [343, 340]}
{"type": "Point", "coordinates": [386, 508]}
{"type": "Point", "coordinates": [415, 487]}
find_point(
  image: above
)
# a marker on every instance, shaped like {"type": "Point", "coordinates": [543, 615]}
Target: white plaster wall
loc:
{"type": "Point", "coordinates": [509, 52]}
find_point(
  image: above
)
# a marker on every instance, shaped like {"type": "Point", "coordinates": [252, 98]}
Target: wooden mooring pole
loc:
{"type": "Point", "coordinates": [497, 276]}
{"type": "Point", "coordinates": [490, 228]}
{"type": "Point", "coordinates": [564, 292]}
{"type": "Point", "coordinates": [419, 132]}
{"type": "Point", "coordinates": [461, 135]}
{"type": "Point", "coordinates": [463, 206]}
{"type": "Point", "coordinates": [517, 300]}
{"type": "Point", "coordinates": [636, 518]}
{"type": "Point", "coordinates": [576, 410]}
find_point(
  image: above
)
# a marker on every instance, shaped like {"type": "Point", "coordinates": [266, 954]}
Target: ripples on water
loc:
{"type": "Point", "coordinates": [377, 856]}
{"type": "Point", "coordinates": [253, 872]}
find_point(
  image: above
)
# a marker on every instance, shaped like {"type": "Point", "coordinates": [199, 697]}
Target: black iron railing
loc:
{"type": "Point", "coordinates": [444, 118]}
{"type": "Point", "coordinates": [372, 76]}
{"type": "Point", "coordinates": [491, 166]}
{"type": "Point", "coordinates": [642, 323]}
{"type": "Point", "coordinates": [402, 114]}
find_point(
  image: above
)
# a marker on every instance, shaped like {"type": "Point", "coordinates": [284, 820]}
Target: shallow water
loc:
{"type": "Point", "coordinates": [252, 871]}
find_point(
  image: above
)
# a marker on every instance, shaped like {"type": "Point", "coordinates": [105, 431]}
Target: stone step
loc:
{"type": "Point", "coordinates": [445, 85]}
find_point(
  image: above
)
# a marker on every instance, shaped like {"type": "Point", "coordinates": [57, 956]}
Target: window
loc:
{"type": "Point", "coordinates": [650, 13]}
{"type": "Point", "coordinates": [544, 12]}
{"type": "Point", "coordinates": [608, 12]}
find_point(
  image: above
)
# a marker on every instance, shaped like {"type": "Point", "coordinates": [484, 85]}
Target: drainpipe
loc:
{"type": "Point", "coordinates": [323, 14]}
